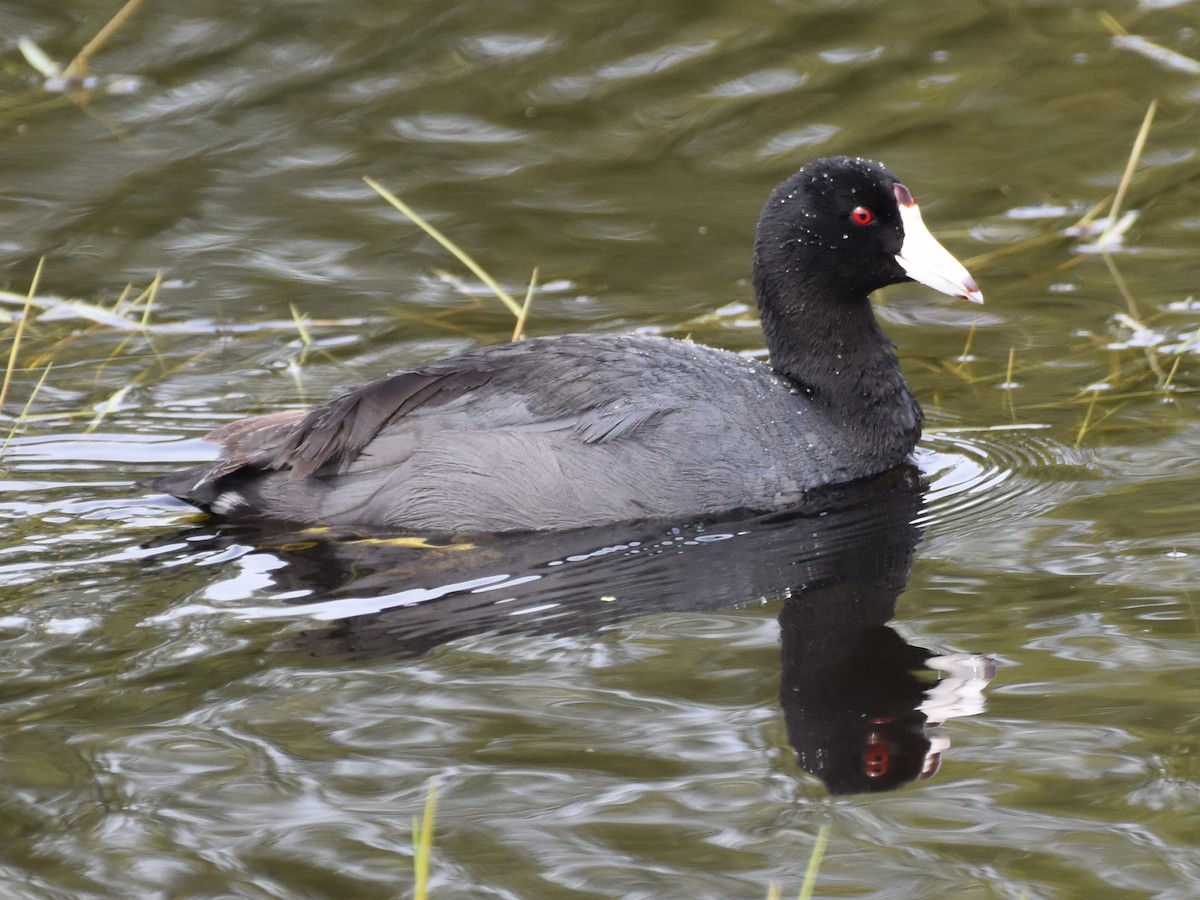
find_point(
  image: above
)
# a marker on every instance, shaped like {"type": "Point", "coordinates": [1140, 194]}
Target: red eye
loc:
{"type": "Point", "coordinates": [862, 216]}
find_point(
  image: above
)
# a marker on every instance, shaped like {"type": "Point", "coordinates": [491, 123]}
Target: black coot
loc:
{"type": "Point", "coordinates": [575, 430]}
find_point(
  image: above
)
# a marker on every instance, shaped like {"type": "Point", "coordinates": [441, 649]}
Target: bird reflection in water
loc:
{"type": "Point", "coordinates": [862, 706]}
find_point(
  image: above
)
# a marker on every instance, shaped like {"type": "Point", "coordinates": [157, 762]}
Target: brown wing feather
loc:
{"type": "Point", "coordinates": [245, 441]}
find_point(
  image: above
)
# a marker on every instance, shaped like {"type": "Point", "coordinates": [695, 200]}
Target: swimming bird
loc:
{"type": "Point", "coordinates": [573, 430]}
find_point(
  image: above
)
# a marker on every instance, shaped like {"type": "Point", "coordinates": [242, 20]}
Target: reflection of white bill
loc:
{"type": "Point", "coordinates": [960, 693]}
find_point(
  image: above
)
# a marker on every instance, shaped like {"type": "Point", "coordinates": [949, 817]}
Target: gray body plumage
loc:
{"type": "Point", "coordinates": [630, 428]}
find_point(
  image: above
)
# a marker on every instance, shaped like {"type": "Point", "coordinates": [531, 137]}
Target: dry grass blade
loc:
{"type": "Point", "coordinates": [1009, 385]}
{"type": "Point", "coordinates": [1151, 357]}
{"type": "Point", "coordinates": [814, 864]}
{"type": "Point", "coordinates": [301, 321]}
{"type": "Point", "coordinates": [519, 330]}
{"type": "Point", "coordinates": [296, 362]}
{"type": "Point", "coordinates": [965, 356]}
{"type": "Point", "coordinates": [1127, 176]}
{"type": "Point", "coordinates": [1109, 21]}
{"type": "Point", "coordinates": [810, 874]}
{"type": "Point", "coordinates": [1087, 419]}
{"type": "Point", "coordinates": [20, 330]}
{"type": "Point", "coordinates": [118, 307]}
{"type": "Point", "coordinates": [459, 253]}
{"type": "Point", "coordinates": [148, 296]}
{"type": "Point", "coordinates": [1115, 226]}
{"type": "Point", "coordinates": [20, 420]}
{"type": "Point", "coordinates": [1169, 383]}
{"type": "Point", "coordinates": [1085, 221]}
{"type": "Point", "coordinates": [423, 845]}
{"type": "Point", "coordinates": [1157, 53]}
{"type": "Point", "coordinates": [38, 59]}
{"type": "Point", "coordinates": [121, 316]}
{"type": "Point", "coordinates": [76, 70]}
{"type": "Point", "coordinates": [112, 404]}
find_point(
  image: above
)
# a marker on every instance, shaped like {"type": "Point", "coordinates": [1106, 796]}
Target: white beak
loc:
{"type": "Point", "coordinates": [927, 261]}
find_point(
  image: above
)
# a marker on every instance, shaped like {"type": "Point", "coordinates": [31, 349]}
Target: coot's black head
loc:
{"type": "Point", "coordinates": [843, 227]}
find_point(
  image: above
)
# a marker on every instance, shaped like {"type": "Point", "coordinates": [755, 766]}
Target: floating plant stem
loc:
{"type": "Point", "coordinates": [814, 864]}
{"type": "Point", "coordinates": [301, 321]}
{"type": "Point", "coordinates": [1164, 56]}
{"type": "Point", "coordinates": [76, 70]}
{"type": "Point", "coordinates": [1087, 418]}
{"type": "Point", "coordinates": [1135, 155]}
{"type": "Point", "coordinates": [1168, 384]}
{"type": "Point", "coordinates": [518, 331]}
{"type": "Point", "coordinates": [150, 295]}
{"type": "Point", "coordinates": [20, 420]}
{"type": "Point", "coordinates": [459, 253]}
{"type": "Point", "coordinates": [20, 330]}
{"type": "Point", "coordinates": [38, 59]}
{"type": "Point", "coordinates": [1116, 225]}
{"type": "Point", "coordinates": [810, 874]}
{"type": "Point", "coordinates": [423, 845]}
{"type": "Point", "coordinates": [1009, 385]}
{"type": "Point", "coordinates": [112, 404]}
{"type": "Point", "coordinates": [965, 356]}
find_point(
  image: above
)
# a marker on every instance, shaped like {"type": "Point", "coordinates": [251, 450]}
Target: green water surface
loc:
{"type": "Point", "coordinates": [155, 742]}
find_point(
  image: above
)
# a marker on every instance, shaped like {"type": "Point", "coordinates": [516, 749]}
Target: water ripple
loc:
{"type": "Point", "coordinates": [980, 479]}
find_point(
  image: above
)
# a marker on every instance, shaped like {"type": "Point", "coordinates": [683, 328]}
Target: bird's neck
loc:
{"type": "Point", "coordinates": [836, 354]}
